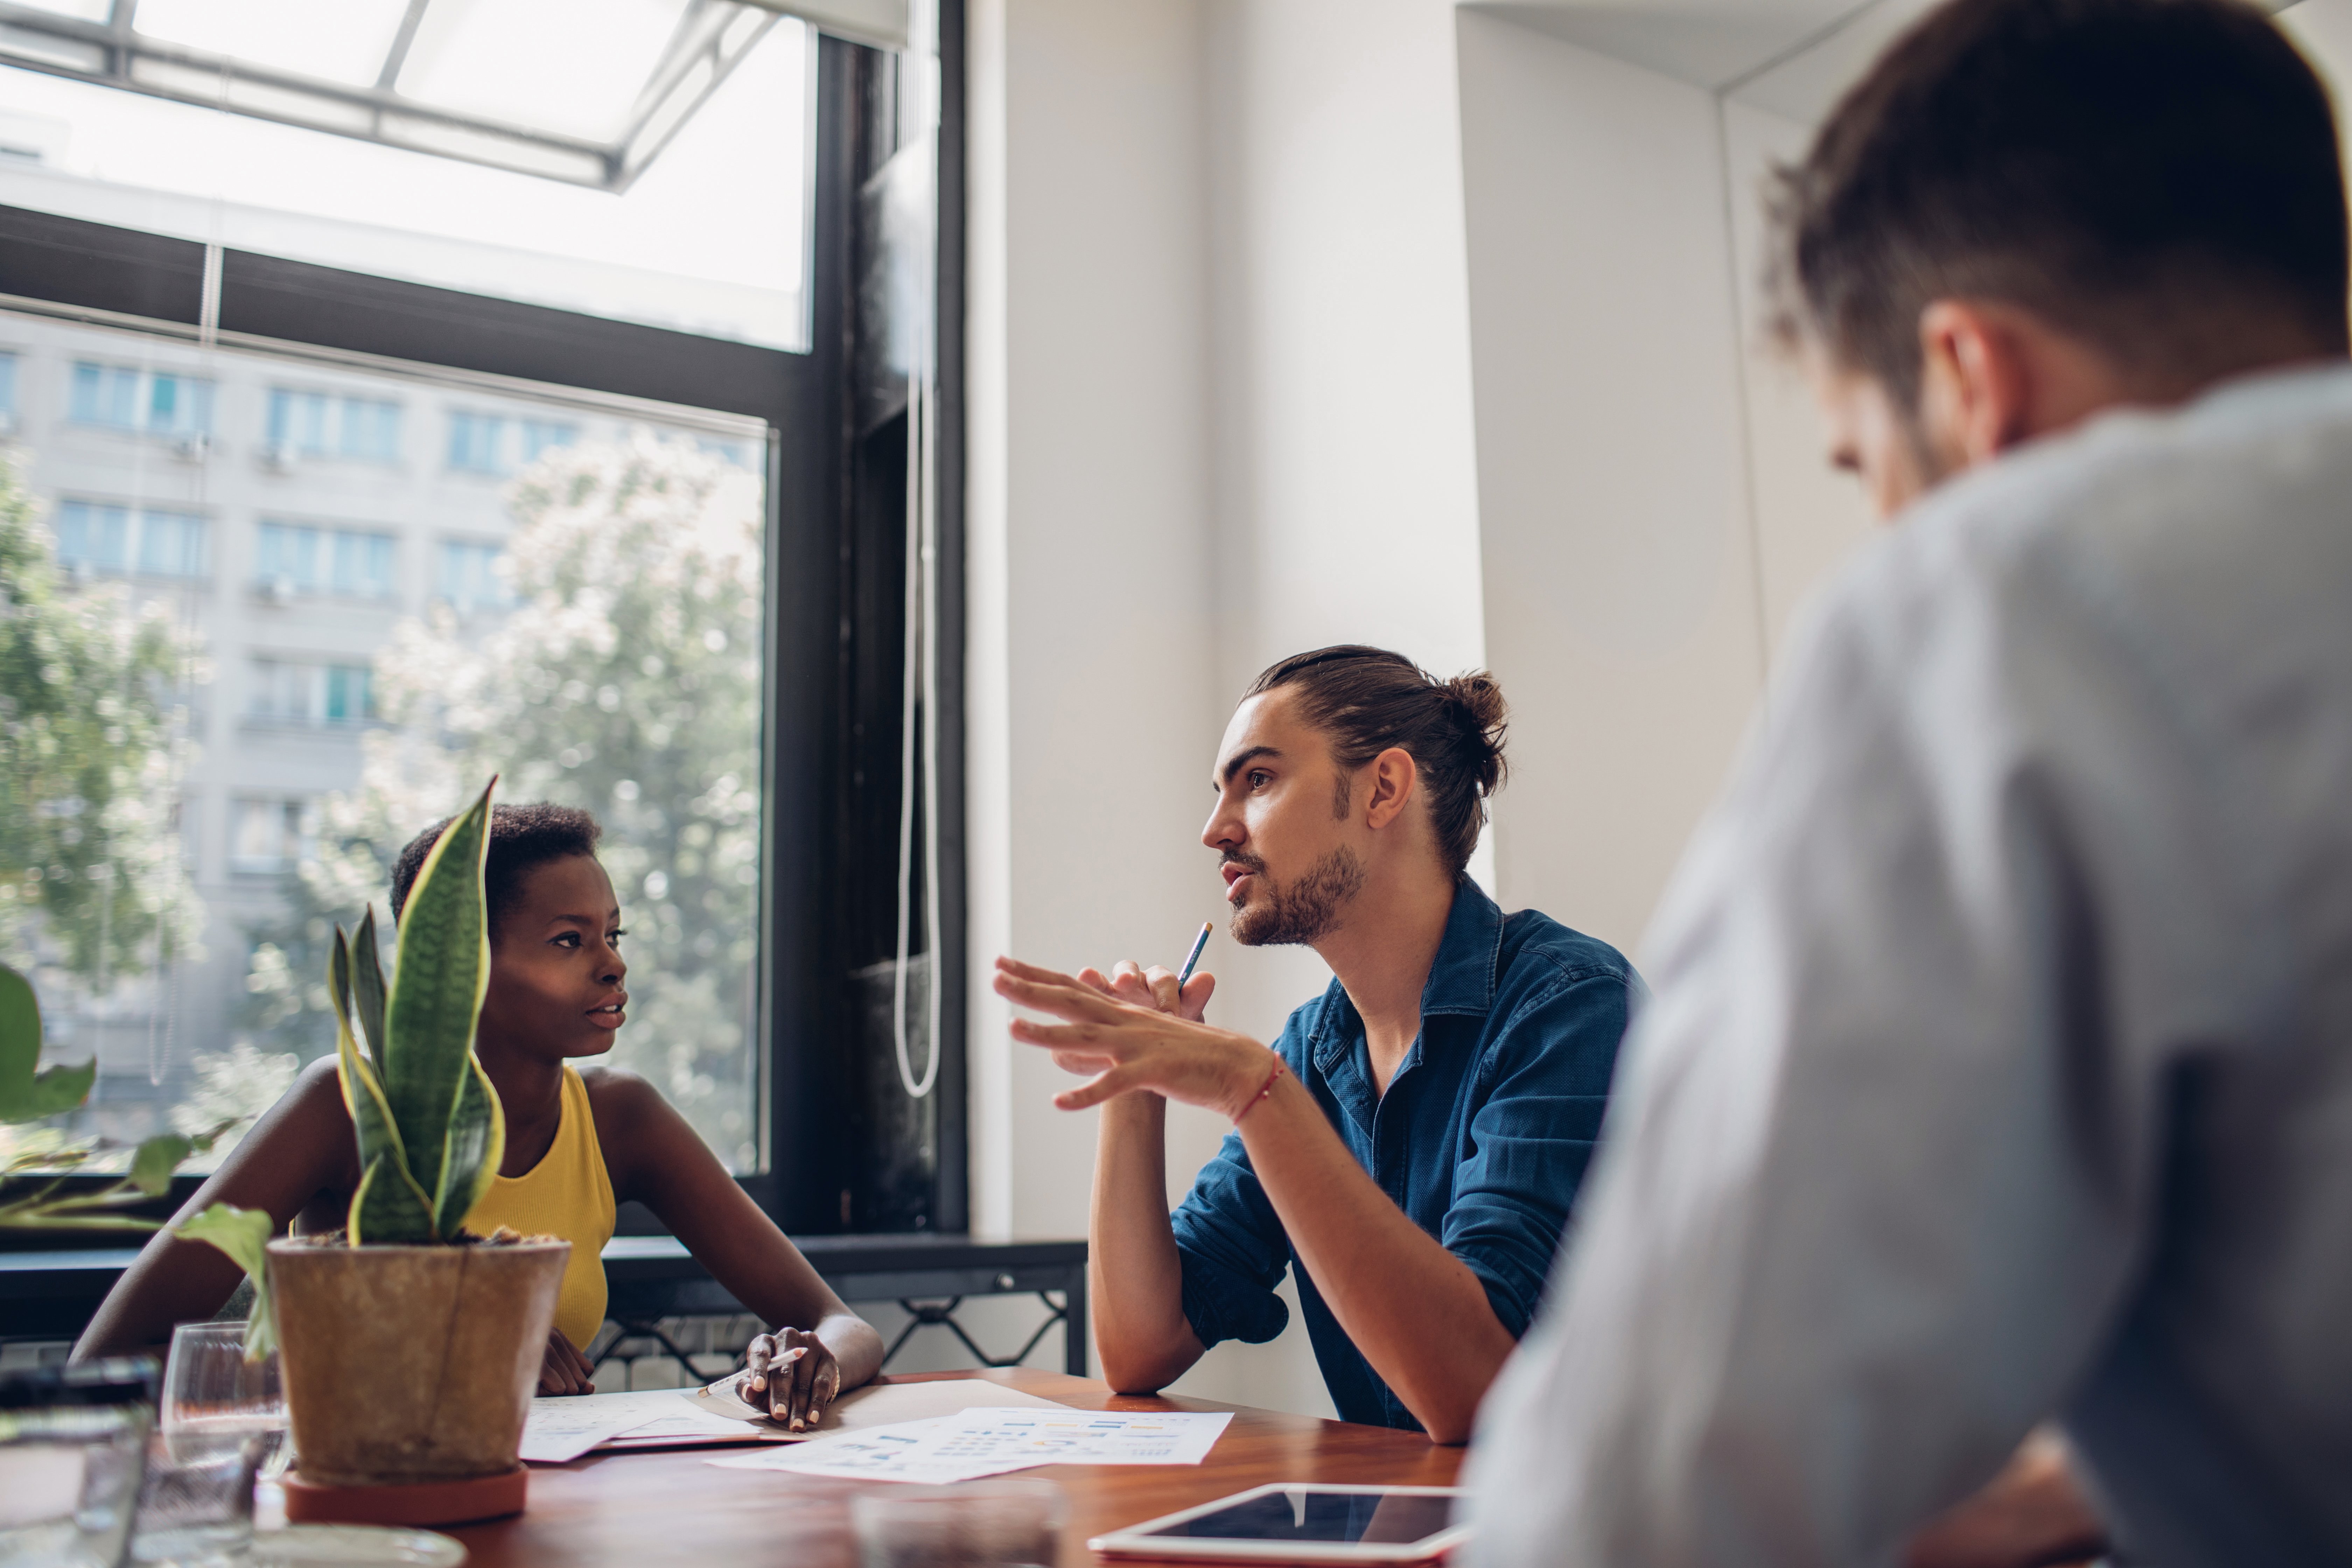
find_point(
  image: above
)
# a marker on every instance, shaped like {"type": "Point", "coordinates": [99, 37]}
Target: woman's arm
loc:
{"type": "Point", "coordinates": [301, 1147]}
{"type": "Point", "coordinates": [655, 1158]}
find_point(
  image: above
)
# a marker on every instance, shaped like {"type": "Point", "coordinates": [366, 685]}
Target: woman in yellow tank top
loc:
{"type": "Point", "coordinates": [578, 1144]}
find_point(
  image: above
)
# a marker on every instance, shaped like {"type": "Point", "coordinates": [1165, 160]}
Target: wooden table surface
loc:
{"type": "Point", "coordinates": [672, 1506]}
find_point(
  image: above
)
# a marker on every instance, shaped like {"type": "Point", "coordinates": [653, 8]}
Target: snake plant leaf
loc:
{"type": "Point", "coordinates": [470, 1161]}
{"type": "Point", "coordinates": [437, 984]}
{"type": "Point", "coordinates": [364, 1095]}
{"type": "Point", "coordinates": [244, 1235]}
{"type": "Point", "coordinates": [26, 1095]}
{"type": "Point", "coordinates": [367, 985]}
{"type": "Point", "coordinates": [389, 1209]}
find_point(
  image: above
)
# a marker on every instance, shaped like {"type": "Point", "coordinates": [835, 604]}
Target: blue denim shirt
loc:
{"type": "Point", "coordinates": [1482, 1138]}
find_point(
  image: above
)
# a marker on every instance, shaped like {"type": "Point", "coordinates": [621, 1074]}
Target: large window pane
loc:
{"type": "Point", "coordinates": [336, 657]}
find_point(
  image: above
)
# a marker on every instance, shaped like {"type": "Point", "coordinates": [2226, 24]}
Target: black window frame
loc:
{"type": "Point", "coordinates": [823, 531]}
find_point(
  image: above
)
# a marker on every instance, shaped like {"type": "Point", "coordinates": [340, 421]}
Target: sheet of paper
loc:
{"type": "Point", "coordinates": [875, 1454]}
{"type": "Point", "coordinates": [561, 1428]}
{"type": "Point", "coordinates": [880, 1403]}
{"type": "Point", "coordinates": [991, 1436]}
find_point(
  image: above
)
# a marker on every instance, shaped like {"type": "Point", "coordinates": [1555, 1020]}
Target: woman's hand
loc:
{"type": "Point", "coordinates": [564, 1370]}
{"type": "Point", "coordinates": [1135, 1031]}
{"type": "Point", "coordinates": [792, 1374]}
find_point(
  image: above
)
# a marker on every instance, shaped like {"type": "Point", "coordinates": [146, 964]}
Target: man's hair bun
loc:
{"type": "Point", "coordinates": [1479, 696]}
{"type": "Point", "coordinates": [1365, 699]}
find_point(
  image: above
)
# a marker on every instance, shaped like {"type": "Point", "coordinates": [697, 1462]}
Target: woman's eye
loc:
{"type": "Point", "coordinates": [614, 939]}
{"type": "Point", "coordinates": [1257, 779]}
{"type": "Point", "coordinates": [569, 939]}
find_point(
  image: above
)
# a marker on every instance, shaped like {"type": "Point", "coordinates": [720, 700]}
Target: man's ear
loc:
{"type": "Point", "coordinates": [1976, 383]}
{"type": "Point", "coordinates": [1393, 777]}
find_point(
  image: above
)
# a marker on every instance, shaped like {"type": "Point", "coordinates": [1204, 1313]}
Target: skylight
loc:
{"type": "Point", "coordinates": [585, 92]}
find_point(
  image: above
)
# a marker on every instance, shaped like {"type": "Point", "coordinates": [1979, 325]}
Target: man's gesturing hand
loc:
{"type": "Point", "coordinates": [1122, 1030]}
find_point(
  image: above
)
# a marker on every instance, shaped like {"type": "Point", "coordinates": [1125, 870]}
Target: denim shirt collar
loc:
{"type": "Point", "coordinates": [1461, 980]}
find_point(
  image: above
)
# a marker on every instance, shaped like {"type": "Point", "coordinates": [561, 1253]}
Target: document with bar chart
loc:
{"type": "Point", "coordinates": [1030, 1436]}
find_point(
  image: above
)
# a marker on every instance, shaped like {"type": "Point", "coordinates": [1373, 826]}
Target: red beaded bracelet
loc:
{"type": "Point", "coordinates": [1264, 1089]}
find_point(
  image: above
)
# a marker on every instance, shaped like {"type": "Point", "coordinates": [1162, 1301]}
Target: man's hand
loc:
{"type": "Point", "coordinates": [564, 1370]}
{"type": "Point", "coordinates": [1135, 1031]}
{"type": "Point", "coordinates": [2031, 1514]}
{"type": "Point", "coordinates": [793, 1375]}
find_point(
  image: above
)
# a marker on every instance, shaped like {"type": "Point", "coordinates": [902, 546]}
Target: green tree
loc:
{"type": "Point", "coordinates": [91, 878]}
{"type": "Point", "coordinates": [624, 679]}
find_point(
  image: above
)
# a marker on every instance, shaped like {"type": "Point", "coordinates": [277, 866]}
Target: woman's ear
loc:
{"type": "Point", "coordinates": [1393, 777]}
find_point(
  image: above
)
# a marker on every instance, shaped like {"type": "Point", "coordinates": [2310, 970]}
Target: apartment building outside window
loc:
{"type": "Point", "coordinates": [324, 425]}
{"type": "Point", "coordinates": [8, 393]}
{"type": "Point", "coordinates": [493, 444]}
{"type": "Point", "coordinates": [266, 837]}
{"type": "Point", "coordinates": [102, 536]}
{"type": "Point", "coordinates": [297, 558]}
{"type": "Point", "coordinates": [125, 397]}
{"type": "Point", "coordinates": [310, 693]}
{"type": "Point", "coordinates": [469, 577]}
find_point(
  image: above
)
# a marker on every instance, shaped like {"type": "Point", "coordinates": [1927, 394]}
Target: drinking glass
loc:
{"type": "Point", "coordinates": [210, 1389]}
{"type": "Point", "coordinates": [195, 1507]}
{"type": "Point", "coordinates": [73, 1441]}
{"type": "Point", "coordinates": [979, 1524]}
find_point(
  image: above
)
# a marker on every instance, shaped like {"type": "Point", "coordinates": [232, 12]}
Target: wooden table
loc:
{"type": "Point", "coordinates": [673, 1507]}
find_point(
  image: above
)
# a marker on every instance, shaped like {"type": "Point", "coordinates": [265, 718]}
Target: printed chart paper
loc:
{"type": "Point", "coordinates": [562, 1427]}
{"type": "Point", "coordinates": [1018, 1436]}
{"type": "Point", "coordinates": [879, 1404]}
{"type": "Point", "coordinates": [873, 1454]}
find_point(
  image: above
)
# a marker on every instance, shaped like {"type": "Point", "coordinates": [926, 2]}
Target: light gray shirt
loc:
{"type": "Point", "coordinates": [2000, 1058]}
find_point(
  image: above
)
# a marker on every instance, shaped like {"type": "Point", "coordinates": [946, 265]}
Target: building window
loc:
{"type": "Point", "coordinates": [267, 836]}
{"type": "Point", "coordinates": [294, 558]}
{"type": "Point", "coordinates": [8, 391]}
{"type": "Point", "coordinates": [540, 436]}
{"type": "Point", "coordinates": [322, 425]}
{"type": "Point", "coordinates": [470, 576]}
{"type": "Point", "coordinates": [102, 537]}
{"type": "Point", "coordinates": [300, 692]}
{"type": "Point", "coordinates": [122, 397]}
{"type": "Point", "coordinates": [474, 443]}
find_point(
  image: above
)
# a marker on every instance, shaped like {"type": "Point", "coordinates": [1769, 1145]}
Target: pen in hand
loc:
{"type": "Point", "coordinates": [1193, 959]}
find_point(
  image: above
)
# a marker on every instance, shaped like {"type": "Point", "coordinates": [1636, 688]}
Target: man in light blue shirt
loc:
{"type": "Point", "coordinates": [2000, 1063]}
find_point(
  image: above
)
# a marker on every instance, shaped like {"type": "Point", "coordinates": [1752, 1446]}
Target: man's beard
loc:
{"type": "Point", "coordinates": [1307, 910]}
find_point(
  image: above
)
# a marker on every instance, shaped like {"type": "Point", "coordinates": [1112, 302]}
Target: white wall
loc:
{"type": "Point", "coordinates": [1622, 594]}
{"type": "Point", "coordinates": [1296, 322]}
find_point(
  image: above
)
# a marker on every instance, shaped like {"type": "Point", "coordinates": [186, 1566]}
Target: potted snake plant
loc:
{"type": "Point", "coordinates": [410, 1346]}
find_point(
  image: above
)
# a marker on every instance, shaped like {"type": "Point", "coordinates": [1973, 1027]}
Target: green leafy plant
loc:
{"type": "Point", "coordinates": [421, 1105]}
{"type": "Point", "coordinates": [30, 1093]}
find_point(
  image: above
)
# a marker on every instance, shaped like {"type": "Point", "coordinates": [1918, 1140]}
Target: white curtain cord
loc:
{"type": "Point", "coordinates": [922, 671]}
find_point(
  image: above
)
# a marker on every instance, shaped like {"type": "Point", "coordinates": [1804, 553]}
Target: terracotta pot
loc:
{"type": "Point", "coordinates": [405, 1364]}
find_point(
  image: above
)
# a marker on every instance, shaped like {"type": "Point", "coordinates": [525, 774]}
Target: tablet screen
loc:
{"type": "Point", "coordinates": [1325, 1516]}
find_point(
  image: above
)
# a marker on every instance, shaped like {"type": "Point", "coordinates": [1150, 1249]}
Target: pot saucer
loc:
{"type": "Point", "coordinates": [354, 1546]}
{"type": "Point", "coordinates": [424, 1503]}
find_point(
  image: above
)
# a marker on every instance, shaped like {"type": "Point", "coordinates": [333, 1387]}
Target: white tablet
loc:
{"type": "Point", "coordinates": [1302, 1521]}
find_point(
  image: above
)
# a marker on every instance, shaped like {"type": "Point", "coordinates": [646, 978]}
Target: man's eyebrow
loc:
{"type": "Point", "coordinates": [1237, 762]}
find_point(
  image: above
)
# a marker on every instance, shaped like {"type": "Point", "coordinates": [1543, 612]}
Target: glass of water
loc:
{"type": "Point", "coordinates": [195, 1507]}
{"type": "Point", "coordinates": [978, 1524]}
{"type": "Point", "coordinates": [211, 1390]}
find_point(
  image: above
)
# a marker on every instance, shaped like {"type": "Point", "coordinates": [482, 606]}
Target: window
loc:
{"type": "Point", "coordinates": [270, 837]}
{"type": "Point", "coordinates": [102, 537]}
{"type": "Point", "coordinates": [295, 558]}
{"type": "Point", "coordinates": [300, 692]}
{"type": "Point", "coordinates": [539, 436]}
{"type": "Point", "coordinates": [474, 443]}
{"type": "Point", "coordinates": [470, 576]}
{"type": "Point", "coordinates": [121, 397]}
{"type": "Point", "coordinates": [8, 391]}
{"type": "Point", "coordinates": [324, 425]}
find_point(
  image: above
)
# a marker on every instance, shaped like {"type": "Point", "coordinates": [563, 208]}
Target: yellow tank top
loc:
{"type": "Point", "coordinates": [567, 1193]}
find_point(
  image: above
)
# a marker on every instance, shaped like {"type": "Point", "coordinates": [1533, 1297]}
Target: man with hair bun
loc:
{"type": "Point", "coordinates": [1412, 1143]}
{"type": "Point", "coordinates": [2000, 1066]}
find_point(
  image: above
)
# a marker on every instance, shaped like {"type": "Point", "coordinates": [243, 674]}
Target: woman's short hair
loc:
{"type": "Point", "coordinates": [1365, 699]}
{"type": "Point", "coordinates": [522, 838]}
